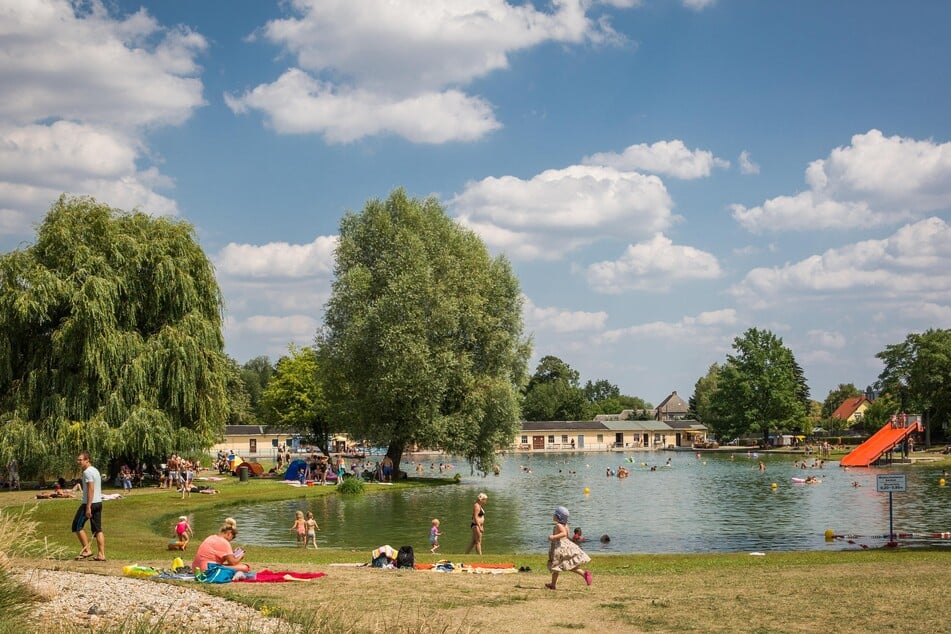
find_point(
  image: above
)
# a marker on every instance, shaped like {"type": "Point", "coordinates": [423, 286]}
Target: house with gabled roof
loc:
{"type": "Point", "coordinates": [852, 409]}
{"type": "Point", "coordinates": [672, 408]}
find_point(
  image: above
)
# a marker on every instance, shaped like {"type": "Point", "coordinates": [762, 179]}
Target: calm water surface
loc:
{"type": "Point", "coordinates": [710, 504]}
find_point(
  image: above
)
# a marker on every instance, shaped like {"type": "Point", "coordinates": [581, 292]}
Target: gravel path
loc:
{"type": "Point", "coordinates": [95, 601]}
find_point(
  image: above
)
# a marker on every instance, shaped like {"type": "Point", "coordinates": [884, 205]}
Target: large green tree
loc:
{"type": "Point", "coordinates": [879, 412]}
{"type": "Point", "coordinates": [759, 388]}
{"type": "Point", "coordinates": [423, 333]}
{"type": "Point", "coordinates": [601, 390]}
{"type": "Point", "coordinates": [239, 401]}
{"type": "Point", "coordinates": [110, 339]}
{"type": "Point", "coordinates": [918, 373]}
{"type": "Point", "coordinates": [836, 397]}
{"type": "Point", "coordinates": [293, 398]}
{"type": "Point", "coordinates": [833, 400]}
{"type": "Point", "coordinates": [701, 402]}
{"type": "Point", "coordinates": [554, 393]}
{"type": "Point", "coordinates": [256, 373]}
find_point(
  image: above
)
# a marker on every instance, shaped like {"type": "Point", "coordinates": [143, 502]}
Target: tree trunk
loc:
{"type": "Point", "coordinates": [395, 452]}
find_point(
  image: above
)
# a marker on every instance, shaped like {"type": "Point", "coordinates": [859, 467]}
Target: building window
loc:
{"type": "Point", "coordinates": [600, 438]}
{"type": "Point", "coordinates": [551, 440]}
{"type": "Point", "coordinates": [253, 445]}
{"type": "Point", "coordinates": [524, 440]}
{"type": "Point", "coordinates": [564, 439]}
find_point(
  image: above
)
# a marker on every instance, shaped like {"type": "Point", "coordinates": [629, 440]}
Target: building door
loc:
{"type": "Point", "coordinates": [580, 441]}
{"type": "Point", "coordinates": [538, 442]}
{"type": "Point", "coordinates": [678, 439]}
{"type": "Point", "coordinates": [253, 445]}
{"type": "Point", "coordinates": [619, 439]}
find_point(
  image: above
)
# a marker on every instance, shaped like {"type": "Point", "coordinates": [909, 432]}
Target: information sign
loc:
{"type": "Point", "coordinates": [891, 483]}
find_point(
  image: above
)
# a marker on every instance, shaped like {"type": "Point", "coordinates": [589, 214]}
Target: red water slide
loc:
{"type": "Point", "coordinates": [881, 441]}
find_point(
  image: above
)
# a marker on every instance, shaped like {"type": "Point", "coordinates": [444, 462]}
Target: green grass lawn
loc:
{"type": "Point", "coordinates": [839, 591]}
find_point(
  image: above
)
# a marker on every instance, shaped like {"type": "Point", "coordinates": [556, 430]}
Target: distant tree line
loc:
{"type": "Point", "coordinates": [554, 392]}
{"type": "Point", "coordinates": [110, 340]}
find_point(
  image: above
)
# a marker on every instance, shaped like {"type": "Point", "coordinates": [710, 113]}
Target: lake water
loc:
{"type": "Point", "coordinates": [710, 504]}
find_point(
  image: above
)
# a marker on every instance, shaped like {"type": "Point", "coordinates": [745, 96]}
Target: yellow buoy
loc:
{"type": "Point", "coordinates": [587, 490]}
{"type": "Point", "coordinates": [773, 485]}
{"type": "Point", "coordinates": [829, 535]}
{"type": "Point", "coordinates": [942, 482]}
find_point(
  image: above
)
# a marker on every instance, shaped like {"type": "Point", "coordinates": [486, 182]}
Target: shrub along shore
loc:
{"type": "Point", "coordinates": [839, 591]}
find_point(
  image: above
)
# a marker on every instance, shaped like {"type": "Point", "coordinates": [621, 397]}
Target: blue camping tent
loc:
{"type": "Point", "coordinates": [295, 469]}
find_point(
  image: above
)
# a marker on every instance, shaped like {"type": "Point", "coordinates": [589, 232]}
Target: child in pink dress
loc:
{"type": "Point", "coordinates": [563, 554]}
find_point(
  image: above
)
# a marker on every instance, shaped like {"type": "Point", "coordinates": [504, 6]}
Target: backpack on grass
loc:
{"type": "Point", "coordinates": [405, 557]}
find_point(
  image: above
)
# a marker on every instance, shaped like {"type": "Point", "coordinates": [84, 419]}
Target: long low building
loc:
{"type": "Point", "coordinates": [598, 435]}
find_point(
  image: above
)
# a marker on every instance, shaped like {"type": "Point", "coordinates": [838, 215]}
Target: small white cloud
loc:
{"type": "Point", "coordinates": [877, 180]}
{"type": "Point", "coordinates": [558, 211]}
{"type": "Point", "coordinates": [747, 166]}
{"type": "Point", "coordinates": [670, 158]}
{"type": "Point", "coordinates": [298, 104]}
{"type": "Point", "coordinates": [704, 327]}
{"type": "Point", "coordinates": [654, 265]}
{"type": "Point", "coordinates": [750, 249]}
{"type": "Point", "coordinates": [559, 320]}
{"type": "Point", "coordinates": [274, 329]}
{"type": "Point", "coordinates": [279, 259]}
{"type": "Point", "coordinates": [826, 339]}
{"type": "Point", "coordinates": [819, 357]}
{"type": "Point", "coordinates": [698, 5]}
{"type": "Point", "coordinates": [912, 262]}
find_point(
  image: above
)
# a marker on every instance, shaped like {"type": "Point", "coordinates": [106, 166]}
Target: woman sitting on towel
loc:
{"type": "Point", "coordinates": [217, 549]}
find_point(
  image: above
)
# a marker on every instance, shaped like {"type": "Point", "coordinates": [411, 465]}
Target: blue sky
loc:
{"type": "Point", "coordinates": [663, 174]}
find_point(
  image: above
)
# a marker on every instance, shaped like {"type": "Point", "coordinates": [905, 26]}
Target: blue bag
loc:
{"type": "Point", "coordinates": [216, 573]}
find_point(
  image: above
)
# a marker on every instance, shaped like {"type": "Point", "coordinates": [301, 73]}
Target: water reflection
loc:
{"type": "Point", "coordinates": [710, 504]}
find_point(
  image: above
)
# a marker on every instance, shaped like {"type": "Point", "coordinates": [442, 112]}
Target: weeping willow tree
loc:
{"type": "Point", "coordinates": [110, 339]}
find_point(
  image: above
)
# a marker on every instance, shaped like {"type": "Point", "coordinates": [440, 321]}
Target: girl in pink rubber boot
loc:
{"type": "Point", "coordinates": [563, 554]}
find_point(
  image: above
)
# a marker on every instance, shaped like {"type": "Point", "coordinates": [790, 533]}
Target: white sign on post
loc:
{"type": "Point", "coordinates": [891, 483]}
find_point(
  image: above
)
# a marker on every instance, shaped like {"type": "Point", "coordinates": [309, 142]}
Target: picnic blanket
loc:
{"type": "Point", "coordinates": [475, 568]}
{"type": "Point", "coordinates": [269, 576]}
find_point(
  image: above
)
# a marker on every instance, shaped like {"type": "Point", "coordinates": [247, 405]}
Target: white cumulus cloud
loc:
{"type": "Point", "coordinates": [278, 259]}
{"type": "Point", "coordinates": [669, 158]}
{"type": "Point", "coordinates": [877, 180]}
{"type": "Point", "coordinates": [914, 262]}
{"type": "Point", "coordinates": [706, 327]}
{"type": "Point", "coordinates": [81, 88]}
{"type": "Point", "coordinates": [270, 333]}
{"type": "Point", "coordinates": [654, 265]}
{"type": "Point", "coordinates": [378, 60]}
{"type": "Point", "coordinates": [826, 339]}
{"type": "Point", "coordinates": [560, 320]}
{"type": "Point", "coordinates": [560, 210]}
{"type": "Point", "coordinates": [299, 104]}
